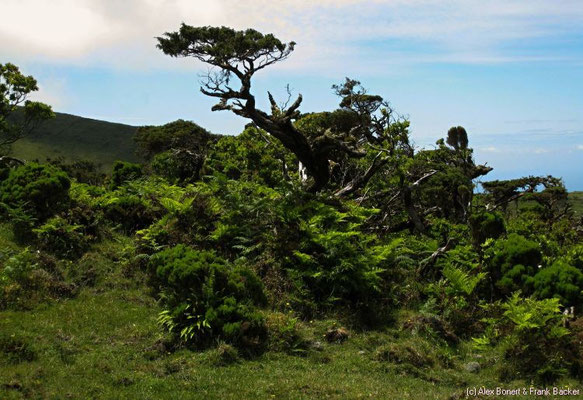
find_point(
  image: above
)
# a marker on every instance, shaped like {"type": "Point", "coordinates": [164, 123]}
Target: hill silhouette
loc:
{"type": "Point", "coordinates": [77, 138]}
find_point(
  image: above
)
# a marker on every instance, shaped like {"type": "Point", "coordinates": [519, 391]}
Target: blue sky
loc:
{"type": "Point", "coordinates": [510, 72]}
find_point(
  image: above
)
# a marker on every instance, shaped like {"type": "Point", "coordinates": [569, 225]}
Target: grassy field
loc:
{"type": "Point", "coordinates": [78, 138]}
{"type": "Point", "coordinates": [576, 201]}
{"type": "Point", "coordinates": [105, 344]}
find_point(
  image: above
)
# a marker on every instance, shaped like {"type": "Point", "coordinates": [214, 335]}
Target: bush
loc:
{"type": "Point", "coordinates": [28, 278]}
{"type": "Point", "coordinates": [124, 172]}
{"type": "Point", "coordinates": [284, 334]}
{"type": "Point", "coordinates": [415, 353]}
{"type": "Point", "coordinates": [178, 166]}
{"type": "Point", "coordinates": [531, 337]}
{"type": "Point", "coordinates": [38, 190]}
{"type": "Point", "coordinates": [224, 354]}
{"type": "Point", "coordinates": [58, 237]}
{"type": "Point", "coordinates": [205, 298]}
{"type": "Point", "coordinates": [455, 298]}
{"type": "Point", "coordinates": [486, 225]}
{"type": "Point", "coordinates": [575, 256]}
{"type": "Point", "coordinates": [251, 157]}
{"type": "Point", "coordinates": [562, 281]}
{"type": "Point", "coordinates": [17, 268]}
{"type": "Point", "coordinates": [129, 211]}
{"type": "Point", "coordinates": [83, 171]}
{"type": "Point", "coordinates": [336, 264]}
{"type": "Point", "coordinates": [512, 263]}
{"type": "Point", "coordinates": [180, 134]}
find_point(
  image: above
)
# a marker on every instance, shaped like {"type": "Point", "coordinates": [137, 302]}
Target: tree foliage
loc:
{"type": "Point", "coordinates": [206, 298]}
{"type": "Point", "coordinates": [39, 190]}
{"type": "Point", "coordinates": [239, 55]}
{"type": "Point", "coordinates": [18, 115]}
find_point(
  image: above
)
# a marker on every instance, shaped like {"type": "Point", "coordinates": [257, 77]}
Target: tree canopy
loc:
{"type": "Point", "coordinates": [14, 91]}
{"type": "Point", "coordinates": [239, 55]}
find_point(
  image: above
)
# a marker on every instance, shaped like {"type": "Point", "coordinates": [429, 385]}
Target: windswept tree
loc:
{"type": "Point", "coordinates": [18, 115]}
{"type": "Point", "coordinates": [235, 56]}
{"type": "Point", "coordinates": [548, 192]}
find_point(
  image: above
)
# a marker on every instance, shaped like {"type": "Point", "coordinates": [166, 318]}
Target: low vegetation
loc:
{"type": "Point", "coordinates": [247, 267]}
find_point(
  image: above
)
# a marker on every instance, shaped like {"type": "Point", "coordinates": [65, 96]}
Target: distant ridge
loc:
{"type": "Point", "coordinates": [78, 138]}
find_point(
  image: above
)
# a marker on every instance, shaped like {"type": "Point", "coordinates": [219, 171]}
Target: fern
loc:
{"type": "Point", "coordinates": [461, 281]}
{"type": "Point", "coordinates": [175, 207]}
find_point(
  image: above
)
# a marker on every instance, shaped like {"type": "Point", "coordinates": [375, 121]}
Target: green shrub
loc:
{"type": "Point", "coordinates": [224, 354]}
{"type": "Point", "coordinates": [178, 166]}
{"type": "Point", "coordinates": [205, 298]}
{"type": "Point", "coordinates": [455, 298]}
{"type": "Point", "coordinates": [338, 267]}
{"type": "Point", "coordinates": [62, 239]}
{"type": "Point", "coordinates": [574, 256]}
{"type": "Point", "coordinates": [28, 278]}
{"type": "Point", "coordinates": [17, 268]}
{"type": "Point", "coordinates": [285, 335]}
{"type": "Point", "coordinates": [4, 172]}
{"type": "Point", "coordinates": [129, 211]}
{"type": "Point", "coordinates": [531, 337]}
{"type": "Point", "coordinates": [38, 190]}
{"type": "Point", "coordinates": [83, 171]}
{"type": "Point", "coordinates": [336, 264]}
{"type": "Point", "coordinates": [21, 222]}
{"type": "Point", "coordinates": [562, 281]}
{"type": "Point", "coordinates": [180, 134]}
{"type": "Point", "coordinates": [415, 353]}
{"type": "Point", "coordinates": [486, 225]}
{"type": "Point", "coordinates": [124, 172]}
{"type": "Point", "coordinates": [251, 156]}
{"type": "Point", "coordinates": [512, 263]}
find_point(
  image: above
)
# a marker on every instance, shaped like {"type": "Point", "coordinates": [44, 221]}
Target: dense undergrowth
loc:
{"type": "Point", "coordinates": [222, 274]}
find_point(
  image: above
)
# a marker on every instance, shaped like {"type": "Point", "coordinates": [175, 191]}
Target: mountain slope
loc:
{"type": "Point", "coordinates": [78, 138]}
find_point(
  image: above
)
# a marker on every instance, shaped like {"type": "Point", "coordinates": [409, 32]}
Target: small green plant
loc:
{"type": "Point", "coordinates": [486, 225]}
{"type": "Point", "coordinates": [560, 280]}
{"type": "Point", "coordinates": [206, 298]}
{"type": "Point", "coordinates": [124, 172]}
{"type": "Point", "coordinates": [531, 336]}
{"type": "Point", "coordinates": [224, 354]}
{"type": "Point", "coordinates": [39, 189]}
{"type": "Point", "coordinates": [129, 211]}
{"type": "Point", "coordinates": [62, 239]}
{"type": "Point", "coordinates": [285, 334]}
{"type": "Point", "coordinates": [455, 298]}
{"type": "Point", "coordinates": [18, 267]}
{"type": "Point", "coordinates": [512, 264]}
{"type": "Point", "coordinates": [336, 264]}
{"type": "Point", "coordinates": [16, 278]}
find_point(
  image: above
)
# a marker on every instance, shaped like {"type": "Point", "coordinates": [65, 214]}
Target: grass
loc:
{"type": "Point", "coordinates": [77, 138]}
{"type": "Point", "coordinates": [576, 201]}
{"type": "Point", "coordinates": [103, 345]}
{"type": "Point", "coordinates": [106, 344]}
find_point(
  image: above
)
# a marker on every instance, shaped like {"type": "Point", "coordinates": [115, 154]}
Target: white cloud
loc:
{"type": "Point", "coordinates": [328, 32]}
{"type": "Point", "coordinates": [488, 149]}
{"type": "Point", "coordinates": [580, 147]}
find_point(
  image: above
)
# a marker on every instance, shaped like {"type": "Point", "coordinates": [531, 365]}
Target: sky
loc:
{"type": "Point", "coordinates": [509, 71]}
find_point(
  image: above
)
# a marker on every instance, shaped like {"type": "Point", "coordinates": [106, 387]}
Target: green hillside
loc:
{"type": "Point", "coordinates": [576, 200]}
{"type": "Point", "coordinates": [78, 138]}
